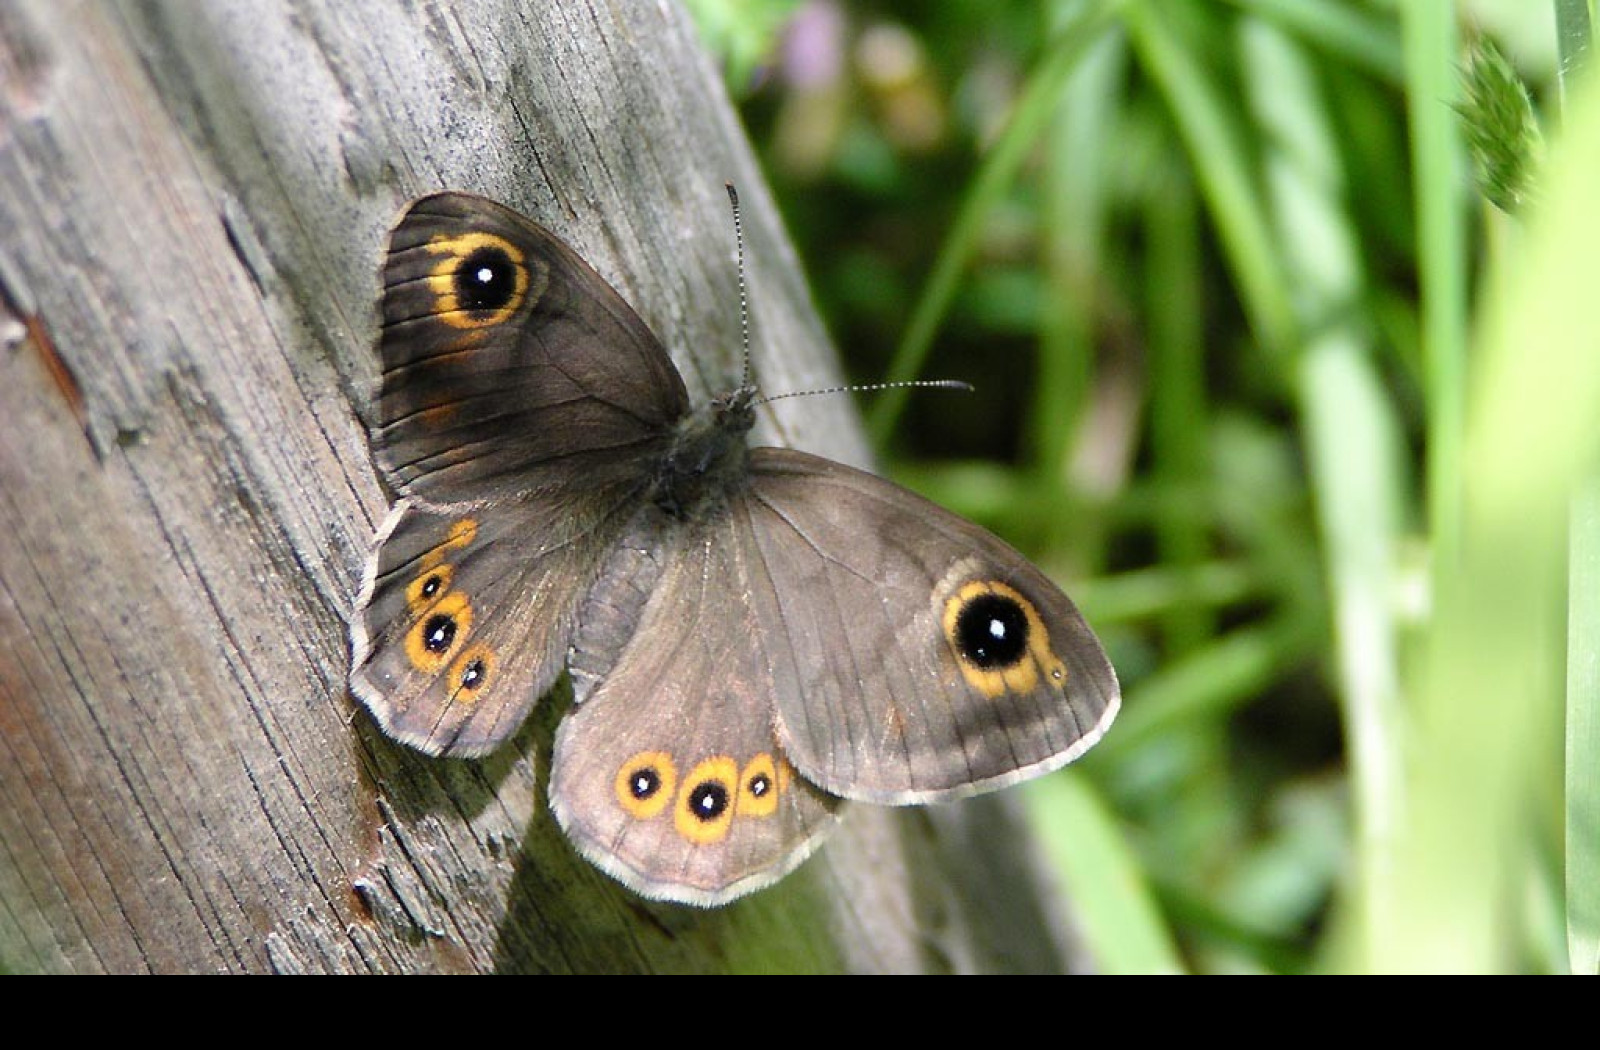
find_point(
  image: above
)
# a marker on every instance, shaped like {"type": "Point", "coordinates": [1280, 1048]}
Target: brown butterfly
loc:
{"type": "Point", "coordinates": [753, 634]}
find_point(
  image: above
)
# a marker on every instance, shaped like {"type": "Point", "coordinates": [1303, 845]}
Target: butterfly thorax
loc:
{"type": "Point", "coordinates": [707, 459]}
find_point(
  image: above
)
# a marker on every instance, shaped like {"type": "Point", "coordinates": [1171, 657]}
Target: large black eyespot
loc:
{"type": "Point", "coordinates": [992, 631]}
{"type": "Point", "coordinates": [708, 800]}
{"type": "Point", "coordinates": [438, 633]}
{"type": "Point", "coordinates": [486, 279]}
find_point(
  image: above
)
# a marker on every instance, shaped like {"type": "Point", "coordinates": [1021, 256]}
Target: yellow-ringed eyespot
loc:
{"type": "Point", "coordinates": [421, 592]}
{"type": "Point", "coordinates": [706, 800]}
{"type": "Point", "coordinates": [471, 672]}
{"type": "Point", "coordinates": [439, 632]}
{"type": "Point", "coordinates": [645, 783]}
{"type": "Point", "coordinates": [480, 279]}
{"type": "Point", "coordinates": [759, 786]}
{"type": "Point", "coordinates": [998, 639]}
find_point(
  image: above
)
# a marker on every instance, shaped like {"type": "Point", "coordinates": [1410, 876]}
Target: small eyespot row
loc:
{"type": "Point", "coordinates": [706, 801]}
{"type": "Point", "coordinates": [441, 621]}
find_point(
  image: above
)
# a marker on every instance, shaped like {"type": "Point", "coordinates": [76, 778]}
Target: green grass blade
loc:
{"type": "Point", "coordinates": [1354, 32]}
{"type": "Point", "coordinates": [1487, 726]}
{"type": "Point", "coordinates": [1583, 732]}
{"type": "Point", "coordinates": [1432, 71]}
{"type": "Point", "coordinates": [1121, 925]}
{"type": "Point", "coordinates": [1574, 37]}
{"type": "Point", "coordinates": [1215, 148]}
{"type": "Point", "coordinates": [1030, 117]}
{"type": "Point", "coordinates": [1208, 685]}
{"type": "Point", "coordinates": [1075, 217]}
{"type": "Point", "coordinates": [1351, 435]}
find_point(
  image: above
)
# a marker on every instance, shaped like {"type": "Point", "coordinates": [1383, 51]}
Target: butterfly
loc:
{"type": "Point", "coordinates": [753, 635]}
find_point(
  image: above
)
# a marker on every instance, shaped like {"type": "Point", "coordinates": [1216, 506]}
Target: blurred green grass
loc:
{"type": "Point", "coordinates": [1304, 423]}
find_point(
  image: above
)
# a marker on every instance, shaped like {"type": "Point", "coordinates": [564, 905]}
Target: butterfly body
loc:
{"type": "Point", "coordinates": [708, 459]}
{"type": "Point", "coordinates": [753, 634]}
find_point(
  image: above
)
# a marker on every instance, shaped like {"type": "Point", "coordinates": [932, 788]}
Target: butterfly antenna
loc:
{"type": "Point", "coordinates": [744, 299]}
{"type": "Point", "coordinates": [867, 388]}
{"type": "Point", "coordinates": [744, 333]}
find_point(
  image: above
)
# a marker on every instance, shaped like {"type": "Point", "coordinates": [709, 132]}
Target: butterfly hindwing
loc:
{"type": "Point", "coordinates": [469, 612]}
{"type": "Point", "coordinates": [668, 774]}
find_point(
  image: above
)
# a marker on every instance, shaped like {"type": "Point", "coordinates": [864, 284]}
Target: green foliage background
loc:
{"type": "Point", "coordinates": [1305, 423]}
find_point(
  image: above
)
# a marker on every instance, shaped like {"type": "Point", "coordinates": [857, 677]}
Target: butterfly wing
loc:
{"type": "Point", "coordinates": [509, 365]}
{"type": "Point", "coordinates": [466, 616]}
{"type": "Point", "coordinates": [923, 658]}
{"type": "Point", "coordinates": [523, 409]}
{"type": "Point", "coordinates": [823, 633]}
{"type": "Point", "coordinates": [668, 774]}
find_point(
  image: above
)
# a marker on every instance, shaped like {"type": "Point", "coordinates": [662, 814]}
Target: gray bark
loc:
{"type": "Point", "coordinates": [194, 198]}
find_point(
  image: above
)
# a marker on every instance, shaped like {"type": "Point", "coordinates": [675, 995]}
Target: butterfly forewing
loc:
{"type": "Point", "coordinates": [509, 365]}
